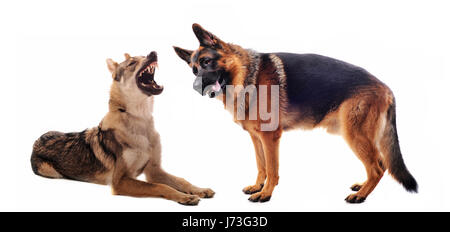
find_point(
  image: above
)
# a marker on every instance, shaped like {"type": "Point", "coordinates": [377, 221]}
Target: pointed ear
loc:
{"type": "Point", "coordinates": [184, 54]}
{"type": "Point", "coordinates": [127, 56]}
{"type": "Point", "coordinates": [112, 65]}
{"type": "Point", "coordinates": [206, 38]}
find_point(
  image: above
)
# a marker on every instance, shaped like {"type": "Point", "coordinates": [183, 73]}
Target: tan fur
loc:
{"type": "Point", "coordinates": [48, 171]}
{"type": "Point", "coordinates": [359, 120]}
{"type": "Point", "coordinates": [266, 143]}
{"type": "Point", "coordinates": [261, 165]}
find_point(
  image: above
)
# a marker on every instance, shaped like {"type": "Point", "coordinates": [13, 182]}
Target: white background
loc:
{"type": "Point", "coordinates": [54, 77]}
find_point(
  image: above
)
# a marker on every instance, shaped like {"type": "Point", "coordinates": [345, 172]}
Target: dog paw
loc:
{"type": "Point", "coordinates": [355, 198]}
{"type": "Point", "coordinates": [253, 189]}
{"type": "Point", "coordinates": [259, 197]}
{"type": "Point", "coordinates": [356, 187]}
{"type": "Point", "coordinates": [189, 200]}
{"type": "Point", "coordinates": [204, 193]}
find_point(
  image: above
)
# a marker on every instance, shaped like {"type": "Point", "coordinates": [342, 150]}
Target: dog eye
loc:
{"type": "Point", "coordinates": [205, 61]}
{"type": "Point", "coordinates": [132, 63]}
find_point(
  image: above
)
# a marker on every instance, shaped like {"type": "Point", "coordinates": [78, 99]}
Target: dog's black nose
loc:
{"type": "Point", "coordinates": [152, 55]}
{"type": "Point", "coordinates": [195, 70]}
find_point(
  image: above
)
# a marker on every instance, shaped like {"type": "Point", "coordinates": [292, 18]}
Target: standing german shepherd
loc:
{"type": "Point", "coordinates": [124, 145]}
{"type": "Point", "coordinates": [312, 91]}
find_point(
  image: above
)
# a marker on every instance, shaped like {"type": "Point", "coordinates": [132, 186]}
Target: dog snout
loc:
{"type": "Point", "coordinates": [198, 85]}
{"type": "Point", "coordinates": [195, 70]}
{"type": "Point", "coordinates": [152, 56]}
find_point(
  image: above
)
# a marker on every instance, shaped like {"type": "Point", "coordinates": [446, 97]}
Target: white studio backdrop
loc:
{"type": "Point", "coordinates": [62, 82]}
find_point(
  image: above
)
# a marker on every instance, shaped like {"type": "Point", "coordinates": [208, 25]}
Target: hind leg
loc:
{"type": "Point", "coordinates": [357, 186]}
{"type": "Point", "coordinates": [369, 155]}
{"type": "Point", "coordinates": [360, 120]}
{"type": "Point", "coordinates": [43, 168]}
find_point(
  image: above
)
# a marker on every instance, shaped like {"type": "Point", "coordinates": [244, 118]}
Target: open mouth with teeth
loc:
{"type": "Point", "coordinates": [215, 89]}
{"type": "Point", "coordinates": [145, 76]}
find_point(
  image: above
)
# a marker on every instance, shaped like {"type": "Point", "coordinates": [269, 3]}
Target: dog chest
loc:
{"type": "Point", "coordinates": [135, 160]}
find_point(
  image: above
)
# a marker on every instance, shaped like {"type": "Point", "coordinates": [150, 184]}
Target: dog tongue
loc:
{"type": "Point", "coordinates": [216, 87]}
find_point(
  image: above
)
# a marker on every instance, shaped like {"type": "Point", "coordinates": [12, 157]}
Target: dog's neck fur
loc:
{"type": "Point", "coordinates": [246, 66]}
{"type": "Point", "coordinates": [252, 68]}
{"type": "Point", "coordinates": [245, 71]}
{"type": "Point", "coordinates": [130, 117]}
{"type": "Point", "coordinates": [134, 104]}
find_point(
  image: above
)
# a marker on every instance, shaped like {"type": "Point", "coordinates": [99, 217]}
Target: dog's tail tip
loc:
{"type": "Point", "coordinates": [395, 163]}
{"type": "Point", "coordinates": [408, 182]}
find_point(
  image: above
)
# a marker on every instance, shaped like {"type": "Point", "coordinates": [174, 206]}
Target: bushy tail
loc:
{"type": "Point", "coordinates": [393, 156]}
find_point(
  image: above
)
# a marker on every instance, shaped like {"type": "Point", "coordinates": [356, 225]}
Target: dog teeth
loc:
{"type": "Point", "coordinates": [149, 69]}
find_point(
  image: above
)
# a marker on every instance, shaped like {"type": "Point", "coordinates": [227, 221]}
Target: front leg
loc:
{"type": "Point", "coordinates": [125, 185]}
{"type": "Point", "coordinates": [155, 174]}
{"type": "Point", "coordinates": [136, 188]}
{"type": "Point", "coordinates": [260, 163]}
{"type": "Point", "coordinates": [270, 142]}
